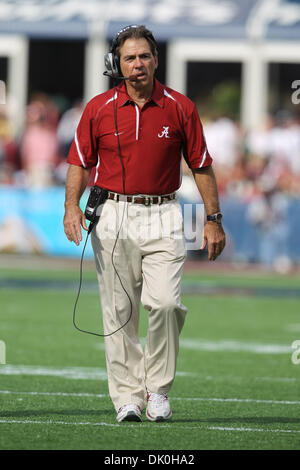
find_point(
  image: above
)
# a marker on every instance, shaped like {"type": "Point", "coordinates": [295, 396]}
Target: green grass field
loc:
{"type": "Point", "coordinates": [236, 386]}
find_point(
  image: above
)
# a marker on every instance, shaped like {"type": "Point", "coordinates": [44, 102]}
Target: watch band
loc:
{"type": "Point", "coordinates": [217, 217]}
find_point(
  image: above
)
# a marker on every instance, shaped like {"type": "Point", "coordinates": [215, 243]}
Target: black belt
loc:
{"type": "Point", "coordinates": [146, 200]}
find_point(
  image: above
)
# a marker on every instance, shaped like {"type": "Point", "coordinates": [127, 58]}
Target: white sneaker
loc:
{"type": "Point", "coordinates": [129, 412]}
{"type": "Point", "coordinates": [158, 408]}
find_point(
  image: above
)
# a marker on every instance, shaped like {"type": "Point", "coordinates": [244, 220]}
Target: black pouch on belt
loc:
{"type": "Point", "coordinates": [97, 197]}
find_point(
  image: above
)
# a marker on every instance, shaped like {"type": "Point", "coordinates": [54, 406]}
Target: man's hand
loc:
{"type": "Point", "coordinates": [214, 238]}
{"type": "Point", "coordinates": [213, 233]}
{"type": "Point", "coordinates": [74, 219]}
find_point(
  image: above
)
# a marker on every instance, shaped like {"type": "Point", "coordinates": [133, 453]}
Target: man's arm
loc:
{"type": "Point", "coordinates": [77, 180]}
{"type": "Point", "coordinates": [213, 234]}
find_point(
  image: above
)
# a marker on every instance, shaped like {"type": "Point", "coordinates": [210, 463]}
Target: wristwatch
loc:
{"type": "Point", "coordinates": [217, 217]}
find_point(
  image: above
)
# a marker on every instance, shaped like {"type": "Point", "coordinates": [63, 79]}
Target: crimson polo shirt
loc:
{"type": "Point", "coordinates": [152, 140]}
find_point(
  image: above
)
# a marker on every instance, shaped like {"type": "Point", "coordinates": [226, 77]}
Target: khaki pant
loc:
{"type": "Point", "coordinates": [147, 261]}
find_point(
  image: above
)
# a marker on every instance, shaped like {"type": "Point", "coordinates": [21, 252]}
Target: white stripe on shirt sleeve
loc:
{"type": "Point", "coordinates": [177, 102]}
{"type": "Point", "coordinates": [203, 158]}
{"type": "Point", "coordinates": [112, 99]}
{"type": "Point", "coordinates": [97, 169]}
{"type": "Point", "coordinates": [78, 150]}
{"type": "Point", "coordinates": [168, 95]}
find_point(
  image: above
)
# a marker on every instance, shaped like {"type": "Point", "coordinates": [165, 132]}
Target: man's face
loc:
{"type": "Point", "coordinates": [137, 59]}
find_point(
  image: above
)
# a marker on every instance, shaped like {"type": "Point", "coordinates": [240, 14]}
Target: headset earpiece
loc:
{"type": "Point", "coordinates": [111, 59]}
{"type": "Point", "coordinates": [111, 63]}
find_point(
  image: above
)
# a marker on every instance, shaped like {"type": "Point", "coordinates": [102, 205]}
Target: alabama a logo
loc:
{"type": "Point", "coordinates": [164, 133]}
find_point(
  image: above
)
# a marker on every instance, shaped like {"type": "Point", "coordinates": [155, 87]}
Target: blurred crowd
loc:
{"type": "Point", "coordinates": [262, 160]}
{"type": "Point", "coordinates": [246, 163]}
{"type": "Point", "coordinates": [258, 168]}
{"type": "Point", "coordinates": [37, 158]}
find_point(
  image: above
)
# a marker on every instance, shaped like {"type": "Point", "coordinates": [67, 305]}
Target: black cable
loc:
{"type": "Point", "coordinates": [79, 289]}
{"type": "Point", "coordinates": [119, 146]}
{"type": "Point", "coordinates": [80, 284]}
{"type": "Point", "coordinates": [112, 254]}
{"type": "Point", "coordinates": [123, 181]}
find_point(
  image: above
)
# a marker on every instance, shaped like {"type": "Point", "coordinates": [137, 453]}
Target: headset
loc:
{"type": "Point", "coordinates": [112, 59]}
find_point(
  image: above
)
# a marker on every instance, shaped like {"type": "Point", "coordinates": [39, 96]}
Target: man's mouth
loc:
{"type": "Point", "coordinates": [138, 76]}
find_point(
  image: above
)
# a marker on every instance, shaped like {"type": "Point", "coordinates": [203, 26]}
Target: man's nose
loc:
{"type": "Point", "coordinates": [138, 63]}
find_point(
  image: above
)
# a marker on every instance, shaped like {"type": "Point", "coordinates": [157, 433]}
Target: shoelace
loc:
{"type": "Point", "coordinates": [157, 398]}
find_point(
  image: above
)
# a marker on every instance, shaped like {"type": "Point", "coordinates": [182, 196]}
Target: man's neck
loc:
{"type": "Point", "coordinates": [139, 94]}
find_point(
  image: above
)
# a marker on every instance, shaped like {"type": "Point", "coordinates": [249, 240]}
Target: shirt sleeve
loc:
{"type": "Point", "coordinates": [83, 151]}
{"type": "Point", "coordinates": [195, 150]}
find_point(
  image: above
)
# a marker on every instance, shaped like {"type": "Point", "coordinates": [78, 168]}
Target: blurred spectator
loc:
{"type": "Point", "coordinates": [278, 144]}
{"type": "Point", "coordinates": [39, 145]}
{"type": "Point", "coordinates": [224, 139]}
{"type": "Point", "coordinates": [65, 134]}
{"type": "Point", "coordinates": [50, 108]}
{"type": "Point", "coordinates": [268, 212]}
{"type": "Point", "coordinates": [258, 140]}
{"type": "Point", "coordinates": [9, 163]}
{"type": "Point", "coordinates": [67, 126]}
{"type": "Point", "coordinates": [284, 146]}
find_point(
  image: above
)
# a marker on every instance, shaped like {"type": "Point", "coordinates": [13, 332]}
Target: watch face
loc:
{"type": "Point", "coordinates": [215, 217]}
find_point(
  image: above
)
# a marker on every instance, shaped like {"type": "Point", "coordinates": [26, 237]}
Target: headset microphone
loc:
{"type": "Point", "coordinates": [132, 77]}
{"type": "Point", "coordinates": [111, 75]}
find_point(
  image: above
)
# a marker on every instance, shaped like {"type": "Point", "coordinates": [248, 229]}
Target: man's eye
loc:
{"type": "Point", "coordinates": [142, 56]}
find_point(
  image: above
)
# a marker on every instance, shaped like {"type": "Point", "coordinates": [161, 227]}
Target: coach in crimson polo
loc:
{"type": "Point", "coordinates": [152, 138]}
{"type": "Point", "coordinates": [135, 135]}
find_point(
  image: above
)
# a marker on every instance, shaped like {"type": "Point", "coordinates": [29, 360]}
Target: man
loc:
{"type": "Point", "coordinates": [135, 135]}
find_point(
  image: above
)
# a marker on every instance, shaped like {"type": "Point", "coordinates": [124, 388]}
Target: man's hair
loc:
{"type": "Point", "coordinates": [134, 32]}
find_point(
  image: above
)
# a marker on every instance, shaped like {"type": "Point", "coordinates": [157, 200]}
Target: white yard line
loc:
{"type": "Point", "coordinates": [125, 426]}
{"type": "Point", "coordinates": [78, 373]}
{"type": "Point", "coordinates": [230, 345]}
{"type": "Point", "coordinates": [209, 399]}
{"type": "Point", "coordinates": [97, 373]}
{"type": "Point", "coordinates": [233, 345]}
{"type": "Point", "coordinates": [55, 394]}
{"type": "Point", "coordinates": [64, 423]}
{"type": "Point", "coordinates": [226, 428]}
{"type": "Point", "coordinates": [83, 373]}
{"type": "Point", "coordinates": [240, 400]}
{"type": "Point", "coordinates": [278, 379]}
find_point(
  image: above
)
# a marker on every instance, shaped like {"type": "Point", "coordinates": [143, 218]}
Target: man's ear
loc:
{"type": "Point", "coordinates": [156, 62]}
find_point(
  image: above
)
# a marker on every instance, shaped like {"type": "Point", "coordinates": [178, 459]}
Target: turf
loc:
{"type": "Point", "coordinates": [236, 386]}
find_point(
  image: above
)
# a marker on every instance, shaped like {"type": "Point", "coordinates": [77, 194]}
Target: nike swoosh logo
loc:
{"type": "Point", "coordinates": [119, 133]}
